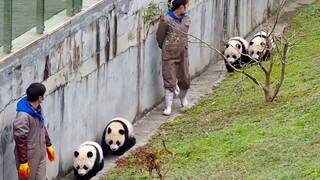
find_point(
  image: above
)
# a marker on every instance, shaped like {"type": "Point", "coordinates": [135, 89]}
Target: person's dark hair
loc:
{"type": "Point", "coordinates": [176, 4]}
{"type": "Point", "coordinates": [34, 91]}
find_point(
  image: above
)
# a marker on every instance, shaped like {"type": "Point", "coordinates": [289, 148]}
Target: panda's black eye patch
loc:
{"type": "Point", "coordinates": [252, 52]}
{"type": "Point", "coordinates": [227, 45]}
{"type": "Point", "coordinates": [85, 167]}
{"type": "Point", "coordinates": [238, 46]}
{"type": "Point", "coordinates": [121, 131]}
{"type": "Point", "coordinates": [109, 130]}
{"type": "Point", "coordinates": [251, 42]}
{"type": "Point", "coordinates": [258, 53]}
{"type": "Point", "coordinates": [118, 143]}
{"type": "Point", "coordinates": [262, 44]}
{"type": "Point", "coordinates": [228, 56]}
{"type": "Point", "coordinates": [89, 154]}
{"type": "Point", "coordinates": [78, 167]}
{"type": "Point", "coordinates": [110, 142]}
{"type": "Point", "coordinates": [234, 57]}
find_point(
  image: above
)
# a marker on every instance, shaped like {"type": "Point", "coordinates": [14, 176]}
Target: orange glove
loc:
{"type": "Point", "coordinates": [50, 152]}
{"type": "Point", "coordinates": [24, 170]}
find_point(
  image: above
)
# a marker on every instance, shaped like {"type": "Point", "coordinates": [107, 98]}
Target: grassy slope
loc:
{"type": "Point", "coordinates": [234, 134]}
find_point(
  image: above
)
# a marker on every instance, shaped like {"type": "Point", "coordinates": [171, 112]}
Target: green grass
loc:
{"type": "Point", "coordinates": [234, 134]}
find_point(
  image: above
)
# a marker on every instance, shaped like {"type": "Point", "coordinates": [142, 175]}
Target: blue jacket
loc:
{"type": "Point", "coordinates": [24, 106]}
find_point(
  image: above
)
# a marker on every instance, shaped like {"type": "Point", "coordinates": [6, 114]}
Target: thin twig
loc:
{"type": "Point", "coordinates": [171, 160]}
{"type": "Point", "coordinates": [278, 16]}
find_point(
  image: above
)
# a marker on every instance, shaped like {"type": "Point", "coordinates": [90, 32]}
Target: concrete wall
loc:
{"type": "Point", "coordinates": [104, 63]}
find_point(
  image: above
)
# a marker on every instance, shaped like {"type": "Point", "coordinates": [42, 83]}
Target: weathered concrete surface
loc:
{"type": "Point", "coordinates": [201, 86]}
{"type": "Point", "coordinates": [146, 126]}
{"type": "Point", "coordinates": [100, 64]}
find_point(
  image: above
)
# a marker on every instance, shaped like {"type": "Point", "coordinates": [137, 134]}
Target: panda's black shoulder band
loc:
{"type": "Point", "coordinates": [242, 44]}
{"type": "Point", "coordinates": [260, 35]}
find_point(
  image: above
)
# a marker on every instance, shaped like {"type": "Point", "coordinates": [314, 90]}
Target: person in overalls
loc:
{"type": "Point", "coordinates": [173, 40]}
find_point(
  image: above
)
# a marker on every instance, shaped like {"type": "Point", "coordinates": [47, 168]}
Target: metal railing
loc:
{"type": "Point", "coordinates": [19, 16]}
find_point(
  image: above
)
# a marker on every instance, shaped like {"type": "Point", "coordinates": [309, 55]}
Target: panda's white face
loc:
{"type": "Point", "coordinates": [84, 159]}
{"type": "Point", "coordinates": [233, 51]}
{"type": "Point", "coordinates": [257, 48]}
{"type": "Point", "coordinates": [115, 136]}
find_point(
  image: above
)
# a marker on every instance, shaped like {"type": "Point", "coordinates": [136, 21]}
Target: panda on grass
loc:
{"type": "Point", "coordinates": [236, 53]}
{"type": "Point", "coordinates": [117, 137]}
{"type": "Point", "coordinates": [88, 160]}
{"type": "Point", "coordinates": [261, 46]}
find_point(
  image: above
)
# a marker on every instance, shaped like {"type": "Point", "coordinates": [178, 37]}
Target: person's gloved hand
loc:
{"type": "Point", "coordinates": [50, 152]}
{"type": "Point", "coordinates": [24, 170]}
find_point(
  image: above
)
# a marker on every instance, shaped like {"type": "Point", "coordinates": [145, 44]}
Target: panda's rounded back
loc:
{"type": "Point", "coordinates": [260, 34]}
{"type": "Point", "coordinates": [264, 35]}
{"type": "Point", "coordinates": [257, 39]}
{"type": "Point", "coordinates": [237, 45]}
{"type": "Point", "coordinates": [242, 41]}
{"type": "Point", "coordinates": [257, 45]}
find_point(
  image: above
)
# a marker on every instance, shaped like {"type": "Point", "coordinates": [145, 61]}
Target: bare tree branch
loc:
{"type": "Point", "coordinates": [263, 68]}
{"type": "Point", "coordinates": [283, 65]}
{"type": "Point", "coordinates": [277, 16]}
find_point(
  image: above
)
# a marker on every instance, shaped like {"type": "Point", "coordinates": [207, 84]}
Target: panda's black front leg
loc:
{"type": "Point", "coordinates": [132, 142]}
{"type": "Point", "coordinates": [105, 149]}
{"type": "Point", "coordinates": [101, 165]}
{"type": "Point", "coordinates": [228, 67]}
{"type": "Point", "coordinates": [120, 151]}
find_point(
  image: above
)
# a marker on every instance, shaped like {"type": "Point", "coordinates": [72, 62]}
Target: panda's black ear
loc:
{"type": "Point", "coordinates": [109, 130]}
{"type": "Point", "coordinates": [76, 154]}
{"type": "Point", "coordinates": [121, 131]}
{"type": "Point", "coordinates": [251, 43]}
{"type": "Point", "coordinates": [89, 154]}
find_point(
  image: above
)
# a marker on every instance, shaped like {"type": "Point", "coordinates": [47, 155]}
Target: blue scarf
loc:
{"type": "Point", "coordinates": [171, 14]}
{"type": "Point", "coordinates": [24, 106]}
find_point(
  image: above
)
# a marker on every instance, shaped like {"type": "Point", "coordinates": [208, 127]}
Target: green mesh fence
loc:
{"type": "Point", "coordinates": [26, 15]}
{"type": "Point", "coordinates": [23, 17]}
{"type": "Point", "coordinates": [53, 7]}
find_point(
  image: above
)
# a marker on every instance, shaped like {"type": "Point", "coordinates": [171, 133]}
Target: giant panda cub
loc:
{"type": "Point", "coordinates": [117, 137]}
{"type": "Point", "coordinates": [258, 46]}
{"type": "Point", "coordinates": [88, 160]}
{"type": "Point", "coordinates": [236, 52]}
